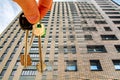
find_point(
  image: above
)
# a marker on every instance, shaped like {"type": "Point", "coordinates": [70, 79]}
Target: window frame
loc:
{"type": "Point", "coordinates": [116, 64]}
{"type": "Point", "coordinates": [100, 22]}
{"type": "Point", "coordinates": [88, 37]}
{"type": "Point", "coordinates": [96, 64]}
{"type": "Point", "coordinates": [96, 49]}
{"type": "Point", "coordinates": [107, 29]}
{"type": "Point", "coordinates": [109, 37]}
{"type": "Point", "coordinates": [117, 48]}
{"type": "Point", "coordinates": [71, 64]}
{"type": "Point", "coordinates": [89, 29]}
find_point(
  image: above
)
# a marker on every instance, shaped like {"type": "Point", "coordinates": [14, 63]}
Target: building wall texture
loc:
{"type": "Point", "coordinates": [82, 43]}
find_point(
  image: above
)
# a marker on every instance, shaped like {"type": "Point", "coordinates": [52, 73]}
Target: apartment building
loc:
{"type": "Point", "coordinates": [82, 43]}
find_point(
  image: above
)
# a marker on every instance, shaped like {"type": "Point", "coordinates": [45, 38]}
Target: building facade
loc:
{"type": "Point", "coordinates": [82, 43]}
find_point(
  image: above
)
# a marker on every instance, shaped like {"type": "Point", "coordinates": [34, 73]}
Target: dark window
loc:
{"type": "Point", "coordinates": [70, 29]}
{"type": "Point", "coordinates": [50, 32]}
{"type": "Point", "coordinates": [71, 37]}
{"type": "Point", "coordinates": [109, 37]}
{"type": "Point", "coordinates": [71, 65]}
{"type": "Point", "coordinates": [50, 36]}
{"type": "Point", "coordinates": [3, 72]}
{"type": "Point", "coordinates": [49, 41]}
{"type": "Point", "coordinates": [109, 9]}
{"type": "Point", "coordinates": [100, 22]}
{"type": "Point", "coordinates": [119, 28]}
{"type": "Point", "coordinates": [57, 36]}
{"type": "Point", "coordinates": [112, 12]}
{"type": "Point", "coordinates": [64, 28]}
{"type": "Point", "coordinates": [89, 17]}
{"type": "Point", "coordinates": [116, 64]}
{"type": "Point", "coordinates": [8, 62]}
{"type": "Point", "coordinates": [114, 16]}
{"type": "Point", "coordinates": [88, 37]}
{"type": "Point", "coordinates": [64, 36]}
{"type": "Point", "coordinates": [116, 22]}
{"type": "Point", "coordinates": [96, 49]}
{"type": "Point", "coordinates": [117, 47]}
{"type": "Point", "coordinates": [84, 22]}
{"type": "Point", "coordinates": [89, 29]}
{"type": "Point", "coordinates": [51, 28]}
{"type": "Point", "coordinates": [95, 65]}
{"type": "Point", "coordinates": [107, 29]}
{"type": "Point", "coordinates": [48, 46]}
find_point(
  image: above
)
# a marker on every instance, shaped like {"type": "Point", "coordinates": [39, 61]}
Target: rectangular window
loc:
{"type": "Point", "coordinates": [71, 65]}
{"type": "Point", "coordinates": [69, 49]}
{"type": "Point", "coordinates": [117, 47]}
{"type": "Point", "coordinates": [50, 36]}
{"type": "Point", "coordinates": [73, 50]}
{"type": "Point", "coordinates": [119, 28]}
{"type": "Point", "coordinates": [29, 72]}
{"type": "Point", "coordinates": [89, 29]}
{"type": "Point", "coordinates": [95, 65]}
{"type": "Point", "coordinates": [109, 37]}
{"type": "Point", "coordinates": [106, 6]}
{"type": "Point", "coordinates": [88, 37]}
{"type": "Point", "coordinates": [3, 72]}
{"type": "Point", "coordinates": [8, 62]}
{"type": "Point", "coordinates": [112, 12]}
{"type": "Point", "coordinates": [96, 49]}
{"type": "Point", "coordinates": [115, 17]}
{"type": "Point", "coordinates": [49, 68]}
{"type": "Point", "coordinates": [116, 22]}
{"type": "Point", "coordinates": [109, 10]}
{"type": "Point", "coordinates": [100, 22]}
{"type": "Point", "coordinates": [34, 48]}
{"type": "Point", "coordinates": [71, 37]}
{"type": "Point", "coordinates": [35, 62]}
{"type": "Point", "coordinates": [84, 22]}
{"type": "Point", "coordinates": [107, 29]}
{"type": "Point", "coordinates": [17, 62]}
{"type": "Point", "coordinates": [13, 72]}
{"type": "Point", "coordinates": [116, 64]}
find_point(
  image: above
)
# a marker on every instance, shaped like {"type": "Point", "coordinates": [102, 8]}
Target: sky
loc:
{"type": "Point", "coordinates": [9, 10]}
{"type": "Point", "coordinates": [117, 1]}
